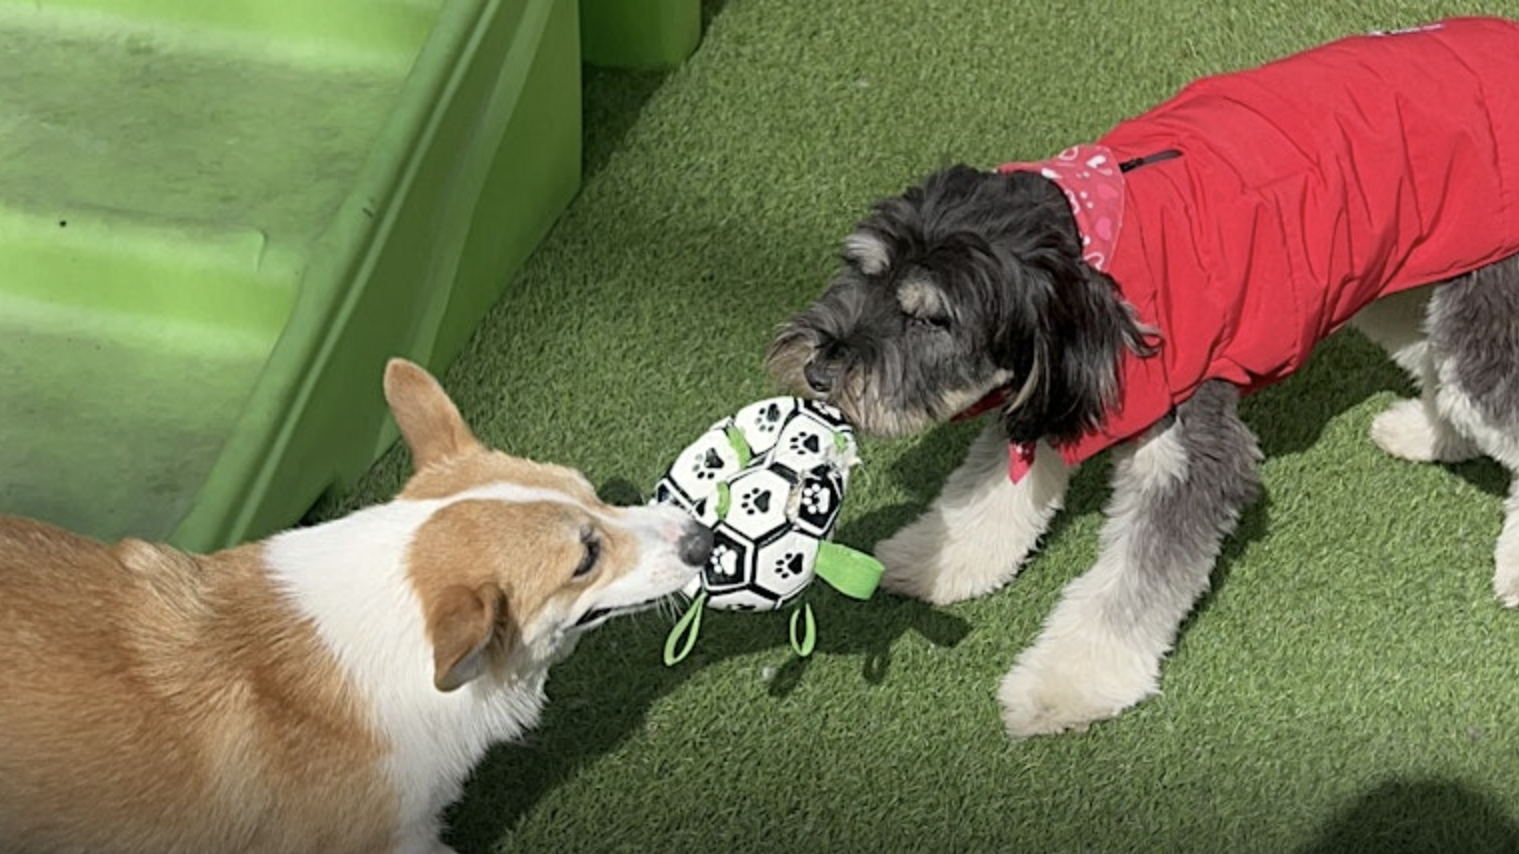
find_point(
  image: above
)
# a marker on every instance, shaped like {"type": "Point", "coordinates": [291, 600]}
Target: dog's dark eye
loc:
{"type": "Point", "coordinates": [590, 553]}
{"type": "Point", "coordinates": [932, 321]}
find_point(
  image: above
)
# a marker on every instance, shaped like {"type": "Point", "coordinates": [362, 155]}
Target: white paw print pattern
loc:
{"type": "Point", "coordinates": [816, 501]}
{"type": "Point", "coordinates": [724, 561]}
{"type": "Point", "coordinates": [768, 481]}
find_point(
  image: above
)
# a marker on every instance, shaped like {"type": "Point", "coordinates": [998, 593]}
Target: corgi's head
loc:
{"type": "Point", "coordinates": [521, 557]}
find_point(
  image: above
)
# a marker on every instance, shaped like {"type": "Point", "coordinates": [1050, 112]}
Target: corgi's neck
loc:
{"type": "Point", "coordinates": [349, 577]}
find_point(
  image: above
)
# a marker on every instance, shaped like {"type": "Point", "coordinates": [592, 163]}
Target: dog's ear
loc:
{"type": "Point", "coordinates": [1066, 325]}
{"type": "Point", "coordinates": [868, 251]}
{"type": "Point", "coordinates": [429, 420]}
{"type": "Point", "coordinates": [462, 622]}
{"type": "Point", "coordinates": [1092, 329]}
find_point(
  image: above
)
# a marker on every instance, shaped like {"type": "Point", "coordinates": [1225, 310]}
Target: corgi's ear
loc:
{"type": "Point", "coordinates": [429, 421]}
{"type": "Point", "coordinates": [462, 622]}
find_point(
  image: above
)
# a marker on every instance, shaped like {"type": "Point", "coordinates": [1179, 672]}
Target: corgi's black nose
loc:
{"type": "Point", "coordinates": [695, 545]}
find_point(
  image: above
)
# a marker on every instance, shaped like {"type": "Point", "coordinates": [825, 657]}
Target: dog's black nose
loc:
{"type": "Point", "coordinates": [695, 545]}
{"type": "Point", "coordinates": [819, 379]}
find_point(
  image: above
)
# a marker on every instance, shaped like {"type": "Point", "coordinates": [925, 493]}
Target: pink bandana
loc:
{"type": "Point", "coordinates": [1093, 185]}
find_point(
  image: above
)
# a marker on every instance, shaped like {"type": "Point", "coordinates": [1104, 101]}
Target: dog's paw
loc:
{"type": "Point", "coordinates": [1506, 578]}
{"type": "Point", "coordinates": [901, 571]}
{"type": "Point", "coordinates": [910, 559]}
{"type": "Point", "coordinates": [1506, 587]}
{"type": "Point", "coordinates": [1405, 430]}
{"type": "Point", "coordinates": [1066, 687]}
{"type": "Point", "coordinates": [924, 561]}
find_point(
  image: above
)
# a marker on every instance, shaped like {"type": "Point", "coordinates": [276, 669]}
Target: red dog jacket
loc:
{"type": "Point", "coordinates": [1287, 197]}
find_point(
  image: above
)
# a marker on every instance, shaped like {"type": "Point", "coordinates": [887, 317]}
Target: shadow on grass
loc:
{"type": "Point", "coordinates": [612, 100]}
{"type": "Point", "coordinates": [1345, 371]}
{"type": "Point", "coordinates": [1289, 418]}
{"type": "Point", "coordinates": [1419, 817]}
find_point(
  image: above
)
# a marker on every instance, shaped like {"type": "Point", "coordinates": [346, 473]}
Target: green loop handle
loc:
{"type": "Point", "coordinates": [852, 573]}
{"type": "Point", "coordinates": [688, 625]}
{"type": "Point", "coordinates": [739, 444]}
{"type": "Point", "coordinates": [723, 499]}
{"type": "Point", "coordinates": [804, 644]}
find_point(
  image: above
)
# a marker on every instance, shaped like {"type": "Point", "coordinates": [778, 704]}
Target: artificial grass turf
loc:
{"type": "Point", "coordinates": [1348, 684]}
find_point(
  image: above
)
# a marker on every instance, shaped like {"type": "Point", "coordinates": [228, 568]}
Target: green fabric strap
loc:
{"type": "Point", "coordinates": [740, 446]}
{"type": "Point", "coordinates": [689, 624]}
{"type": "Point", "coordinates": [852, 573]}
{"type": "Point", "coordinates": [809, 638]}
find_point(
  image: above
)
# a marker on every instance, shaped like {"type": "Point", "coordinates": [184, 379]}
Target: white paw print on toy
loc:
{"type": "Point", "coordinates": [738, 572]}
{"type": "Point", "coordinates": [816, 501]}
{"type": "Point", "coordinates": [789, 565]}
{"type": "Point", "coordinates": [724, 561]}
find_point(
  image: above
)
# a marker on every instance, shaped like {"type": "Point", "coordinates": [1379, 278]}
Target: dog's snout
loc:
{"type": "Point", "coordinates": [818, 377]}
{"type": "Point", "coordinates": [695, 545]}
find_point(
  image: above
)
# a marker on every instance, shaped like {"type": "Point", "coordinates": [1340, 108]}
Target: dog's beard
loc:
{"type": "Point", "coordinates": [886, 392]}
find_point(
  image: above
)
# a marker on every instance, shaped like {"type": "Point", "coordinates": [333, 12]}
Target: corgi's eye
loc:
{"type": "Point", "coordinates": [589, 555]}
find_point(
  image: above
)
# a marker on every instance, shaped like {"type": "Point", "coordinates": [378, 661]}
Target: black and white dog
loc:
{"type": "Point", "coordinates": [1125, 294]}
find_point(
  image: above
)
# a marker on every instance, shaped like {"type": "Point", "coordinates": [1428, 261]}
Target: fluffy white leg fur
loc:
{"type": "Point", "coordinates": [1445, 424]}
{"type": "Point", "coordinates": [1457, 408]}
{"type": "Point", "coordinates": [1177, 493]}
{"type": "Point", "coordinates": [1506, 576]}
{"type": "Point", "coordinates": [1411, 429]}
{"type": "Point", "coordinates": [1086, 666]}
{"type": "Point", "coordinates": [979, 531]}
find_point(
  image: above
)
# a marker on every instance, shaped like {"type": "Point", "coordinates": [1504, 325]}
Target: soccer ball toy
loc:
{"type": "Point", "coordinates": [769, 482]}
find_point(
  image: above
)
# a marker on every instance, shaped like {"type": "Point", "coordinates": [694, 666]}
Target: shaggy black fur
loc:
{"type": "Point", "coordinates": [1009, 300]}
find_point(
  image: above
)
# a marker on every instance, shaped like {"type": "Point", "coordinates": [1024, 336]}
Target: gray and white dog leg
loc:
{"type": "Point", "coordinates": [1411, 429]}
{"type": "Point", "coordinates": [1474, 344]}
{"type": "Point", "coordinates": [977, 534]}
{"type": "Point", "coordinates": [1178, 492]}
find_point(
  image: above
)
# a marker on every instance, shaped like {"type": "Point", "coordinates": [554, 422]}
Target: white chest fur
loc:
{"type": "Point", "coordinates": [350, 578]}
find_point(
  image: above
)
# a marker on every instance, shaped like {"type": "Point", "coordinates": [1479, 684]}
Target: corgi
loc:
{"type": "Point", "coordinates": [327, 689]}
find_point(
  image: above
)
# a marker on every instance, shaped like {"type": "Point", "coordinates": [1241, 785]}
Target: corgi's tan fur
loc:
{"type": "Point", "coordinates": [325, 690]}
